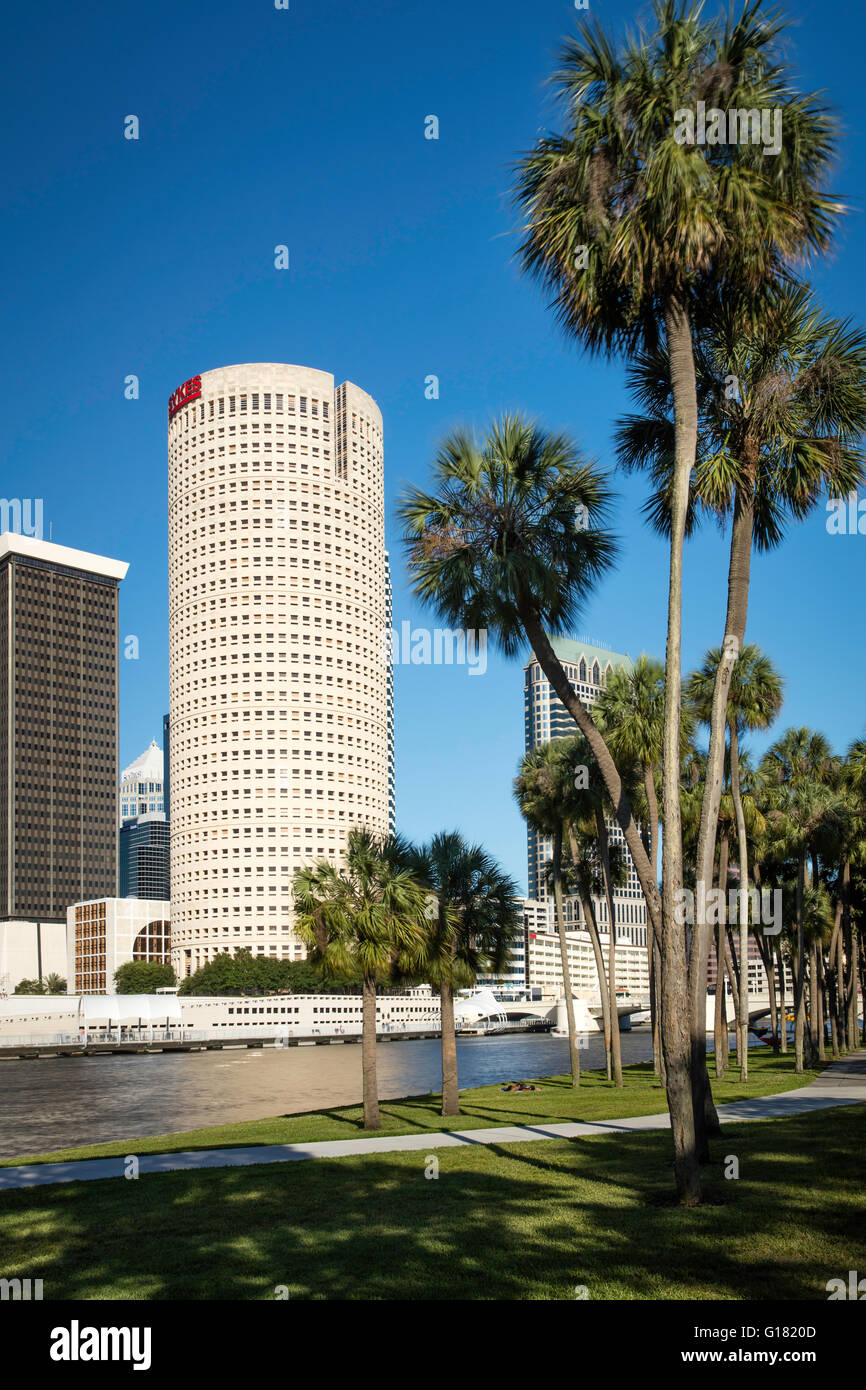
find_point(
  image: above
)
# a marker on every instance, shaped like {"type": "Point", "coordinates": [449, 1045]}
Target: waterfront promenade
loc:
{"type": "Point", "coordinates": [843, 1083]}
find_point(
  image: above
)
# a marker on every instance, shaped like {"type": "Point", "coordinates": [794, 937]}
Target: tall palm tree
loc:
{"type": "Point", "coordinates": [781, 406]}
{"type": "Point", "coordinates": [368, 917]}
{"type": "Point", "coordinates": [781, 402]}
{"type": "Point", "coordinates": [636, 230]}
{"type": "Point", "coordinates": [475, 920]}
{"type": "Point", "coordinates": [539, 794]}
{"type": "Point", "coordinates": [754, 699]}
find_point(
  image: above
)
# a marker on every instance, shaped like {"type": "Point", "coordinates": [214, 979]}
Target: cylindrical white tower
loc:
{"type": "Point", "coordinates": [278, 691]}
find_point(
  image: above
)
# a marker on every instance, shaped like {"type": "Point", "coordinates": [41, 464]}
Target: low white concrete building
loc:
{"type": "Point", "coordinates": [126, 1017]}
{"type": "Point", "coordinates": [544, 964]}
{"type": "Point", "coordinates": [106, 933]}
{"type": "Point", "coordinates": [30, 951]}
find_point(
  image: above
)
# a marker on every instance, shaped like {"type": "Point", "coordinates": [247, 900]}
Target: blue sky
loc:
{"type": "Point", "coordinates": [306, 127]}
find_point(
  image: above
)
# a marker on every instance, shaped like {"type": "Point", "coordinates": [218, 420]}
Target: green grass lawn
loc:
{"type": "Point", "coordinates": [529, 1221]}
{"type": "Point", "coordinates": [483, 1106]}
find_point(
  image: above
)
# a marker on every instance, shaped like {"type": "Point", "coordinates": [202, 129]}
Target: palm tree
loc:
{"type": "Point", "coordinates": [539, 794]}
{"type": "Point", "coordinates": [368, 917]}
{"type": "Point", "coordinates": [551, 800]}
{"type": "Point", "coordinates": [782, 407]}
{"type": "Point", "coordinates": [475, 920]}
{"type": "Point", "coordinates": [512, 543]}
{"type": "Point", "coordinates": [754, 699]}
{"type": "Point", "coordinates": [630, 710]}
{"type": "Point", "coordinates": [853, 862]}
{"type": "Point", "coordinates": [799, 768]}
{"type": "Point", "coordinates": [586, 879]}
{"type": "Point", "coordinates": [586, 808]}
{"type": "Point", "coordinates": [636, 231]}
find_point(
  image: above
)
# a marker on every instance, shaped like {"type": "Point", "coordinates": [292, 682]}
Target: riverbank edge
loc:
{"type": "Point", "coordinates": [598, 1100]}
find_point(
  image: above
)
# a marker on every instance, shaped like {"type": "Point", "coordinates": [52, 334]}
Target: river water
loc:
{"type": "Point", "coordinates": [59, 1102]}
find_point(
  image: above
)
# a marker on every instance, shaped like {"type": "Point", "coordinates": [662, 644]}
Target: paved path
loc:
{"type": "Point", "coordinates": [842, 1083]}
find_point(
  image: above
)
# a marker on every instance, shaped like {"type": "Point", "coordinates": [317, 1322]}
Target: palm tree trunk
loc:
{"type": "Point", "coordinates": [739, 567]}
{"type": "Point", "coordinates": [654, 1012]}
{"type": "Point", "coordinates": [816, 1046]}
{"type": "Point", "coordinates": [652, 948]}
{"type": "Point", "coordinates": [573, 1053]}
{"type": "Point", "coordinates": [770, 971]}
{"type": "Point", "coordinates": [743, 852]}
{"type": "Point", "coordinates": [733, 963]}
{"type": "Point", "coordinates": [657, 1042]}
{"type": "Point", "coordinates": [820, 1002]}
{"type": "Point", "coordinates": [841, 1016]}
{"type": "Point", "coordinates": [734, 976]}
{"type": "Point", "coordinates": [604, 851]}
{"type": "Point", "coordinates": [450, 1087]}
{"type": "Point", "coordinates": [372, 1119]}
{"type": "Point", "coordinates": [783, 1009]}
{"type": "Point", "coordinates": [765, 951]}
{"type": "Point", "coordinates": [850, 990]}
{"type": "Point", "coordinates": [592, 927]}
{"type": "Point", "coordinates": [832, 979]}
{"type": "Point", "coordinates": [800, 970]}
{"type": "Point", "coordinates": [720, 1013]}
{"type": "Point", "coordinates": [860, 978]}
{"type": "Point", "coordinates": [677, 1034]}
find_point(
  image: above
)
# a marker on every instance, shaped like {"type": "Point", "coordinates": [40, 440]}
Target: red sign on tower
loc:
{"type": "Point", "coordinates": [190, 391]}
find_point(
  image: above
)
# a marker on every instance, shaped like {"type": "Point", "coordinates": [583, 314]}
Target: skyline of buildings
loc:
{"type": "Point", "coordinates": [142, 788]}
{"type": "Point", "coordinates": [280, 732]}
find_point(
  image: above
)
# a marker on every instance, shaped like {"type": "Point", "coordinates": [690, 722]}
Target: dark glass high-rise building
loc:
{"type": "Point", "coordinates": [143, 867]}
{"type": "Point", "coordinates": [58, 727]}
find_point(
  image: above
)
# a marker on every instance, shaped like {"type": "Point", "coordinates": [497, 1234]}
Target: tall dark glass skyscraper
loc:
{"type": "Point", "coordinates": [143, 868]}
{"type": "Point", "coordinates": [58, 727]}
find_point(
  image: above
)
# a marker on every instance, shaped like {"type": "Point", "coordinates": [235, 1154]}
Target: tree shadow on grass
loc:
{"type": "Point", "coordinates": [505, 1222]}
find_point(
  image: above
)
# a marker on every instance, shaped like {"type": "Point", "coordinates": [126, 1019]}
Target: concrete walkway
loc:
{"type": "Point", "coordinates": [843, 1083]}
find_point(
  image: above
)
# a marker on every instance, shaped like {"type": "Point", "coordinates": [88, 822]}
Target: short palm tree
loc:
{"type": "Point", "coordinates": [511, 541]}
{"type": "Point", "coordinates": [474, 921]}
{"type": "Point", "coordinates": [539, 793]}
{"type": "Point", "coordinates": [630, 710]}
{"type": "Point", "coordinates": [586, 806]}
{"type": "Point", "coordinates": [799, 770]}
{"type": "Point", "coordinates": [370, 917]}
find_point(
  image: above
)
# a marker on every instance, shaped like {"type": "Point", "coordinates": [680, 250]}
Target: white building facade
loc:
{"type": "Point", "coordinates": [106, 933]}
{"type": "Point", "coordinates": [141, 785]}
{"type": "Point", "coordinates": [279, 696]}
